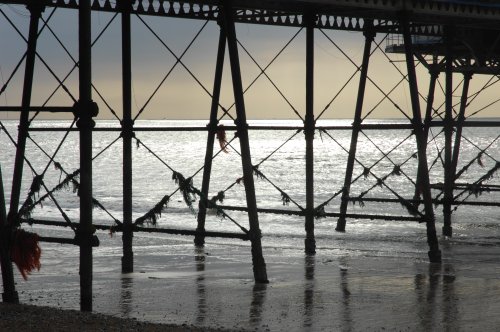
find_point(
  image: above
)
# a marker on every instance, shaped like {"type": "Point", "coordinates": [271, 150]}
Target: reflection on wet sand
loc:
{"type": "Point", "coordinates": [310, 265]}
{"type": "Point", "coordinates": [200, 285]}
{"type": "Point", "coordinates": [428, 299]}
{"type": "Point", "coordinates": [450, 300]}
{"type": "Point", "coordinates": [321, 293]}
{"type": "Point", "coordinates": [346, 294]}
{"type": "Point", "coordinates": [258, 298]}
{"type": "Point", "coordinates": [126, 296]}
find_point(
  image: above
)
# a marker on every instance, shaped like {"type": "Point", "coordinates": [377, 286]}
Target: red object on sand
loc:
{"type": "Point", "coordinates": [26, 252]}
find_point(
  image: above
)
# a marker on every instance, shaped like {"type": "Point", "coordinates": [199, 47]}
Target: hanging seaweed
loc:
{"type": "Point", "coordinates": [219, 213]}
{"type": "Point", "coordinates": [222, 138]}
{"type": "Point", "coordinates": [381, 181]}
{"type": "Point", "coordinates": [361, 203]}
{"type": "Point", "coordinates": [396, 170]}
{"type": "Point", "coordinates": [366, 172]}
{"type": "Point", "coordinates": [480, 159]}
{"type": "Point", "coordinates": [319, 212]}
{"type": "Point", "coordinates": [29, 205]}
{"type": "Point", "coordinates": [475, 189]}
{"type": "Point", "coordinates": [70, 178]}
{"type": "Point", "coordinates": [218, 198]}
{"type": "Point", "coordinates": [412, 209]}
{"type": "Point", "coordinates": [97, 204]}
{"type": "Point", "coordinates": [36, 185]}
{"type": "Point", "coordinates": [490, 173]}
{"type": "Point", "coordinates": [27, 208]}
{"type": "Point", "coordinates": [112, 231]}
{"type": "Point", "coordinates": [464, 169]}
{"type": "Point", "coordinates": [59, 168]}
{"type": "Point", "coordinates": [258, 174]}
{"type": "Point", "coordinates": [25, 252]}
{"type": "Point", "coordinates": [186, 187]}
{"type": "Point", "coordinates": [154, 214]}
{"type": "Point", "coordinates": [285, 198]}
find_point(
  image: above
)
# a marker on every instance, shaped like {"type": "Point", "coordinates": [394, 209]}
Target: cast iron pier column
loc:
{"type": "Point", "coordinates": [448, 132]}
{"type": "Point", "coordinates": [447, 229]}
{"type": "Point", "coordinates": [8, 223]}
{"type": "Point", "coordinates": [259, 265]}
{"type": "Point", "coordinates": [434, 72]}
{"type": "Point", "coordinates": [199, 239]}
{"type": "Point", "coordinates": [434, 252]}
{"type": "Point", "coordinates": [309, 128]}
{"type": "Point", "coordinates": [369, 34]}
{"type": "Point", "coordinates": [85, 109]}
{"type": "Point", "coordinates": [36, 12]}
{"type": "Point", "coordinates": [9, 294]}
{"type": "Point", "coordinates": [127, 135]}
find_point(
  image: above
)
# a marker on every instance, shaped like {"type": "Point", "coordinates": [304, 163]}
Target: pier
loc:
{"type": "Point", "coordinates": [445, 44]}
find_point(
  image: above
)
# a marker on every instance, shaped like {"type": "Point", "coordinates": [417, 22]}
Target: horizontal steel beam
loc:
{"type": "Point", "coordinates": [241, 236]}
{"type": "Point", "coordinates": [41, 109]}
{"type": "Point", "coordinates": [366, 126]}
{"type": "Point", "coordinates": [328, 214]}
{"type": "Point", "coordinates": [427, 15]}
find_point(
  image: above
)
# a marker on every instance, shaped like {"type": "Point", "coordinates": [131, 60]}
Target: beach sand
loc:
{"type": "Point", "coordinates": [26, 318]}
{"type": "Point", "coordinates": [333, 291]}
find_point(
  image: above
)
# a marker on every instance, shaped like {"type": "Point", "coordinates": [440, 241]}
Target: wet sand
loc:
{"type": "Point", "coordinates": [213, 288]}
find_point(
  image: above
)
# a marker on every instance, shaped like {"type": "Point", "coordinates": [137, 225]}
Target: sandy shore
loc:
{"type": "Point", "coordinates": [213, 289]}
{"type": "Point", "coordinates": [27, 318]}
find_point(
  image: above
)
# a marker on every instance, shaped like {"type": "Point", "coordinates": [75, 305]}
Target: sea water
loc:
{"type": "Point", "coordinates": [280, 155]}
{"type": "Point", "coordinates": [380, 261]}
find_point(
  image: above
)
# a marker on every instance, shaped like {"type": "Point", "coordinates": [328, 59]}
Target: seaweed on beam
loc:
{"type": "Point", "coordinates": [154, 214]}
{"type": "Point", "coordinates": [186, 187]}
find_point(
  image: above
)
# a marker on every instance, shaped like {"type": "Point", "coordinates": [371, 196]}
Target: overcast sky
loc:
{"type": "Point", "coordinates": [180, 96]}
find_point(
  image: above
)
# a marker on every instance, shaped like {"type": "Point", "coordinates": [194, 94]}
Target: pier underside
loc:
{"type": "Point", "coordinates": [423, 64]}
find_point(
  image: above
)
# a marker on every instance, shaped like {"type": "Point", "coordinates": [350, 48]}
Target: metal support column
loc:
{"type": "Point", "coordinates": [8, 223]}
{"type": "Point", "coordinates": [434, 252]}
{"type": "Point", "coordinates": [127, 135]}
{"type": "Point", "coordinates": [9, 294]}
{"type": "Point", "coordinates": [434, 73]}
{"type": "Point", "coordinates": [85, 110]}
{"type": "Point", "coordinates": [369, 34]}
{"type": "Point", "coordinates": [427, 122]}
{"type": "Point", "coordinates": [199, 239]}
{"type": "Point", "coordinates": [447, 229]}
{"type": "Point", "coordinates": [309, 128]}
{"type": "Point", "coordinates": [36, 12]}
{"type": "Point", "coordinates": [448, 132]}
{"type": "Point", "coordinates": [259, 265]}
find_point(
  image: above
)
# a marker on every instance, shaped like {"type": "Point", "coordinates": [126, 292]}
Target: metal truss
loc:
{"type": "Point", "coordinates": [366, 181]}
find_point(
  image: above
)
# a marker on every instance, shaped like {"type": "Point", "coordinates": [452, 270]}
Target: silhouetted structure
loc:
{"type": "Point", "coordinates": [460, 37]}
